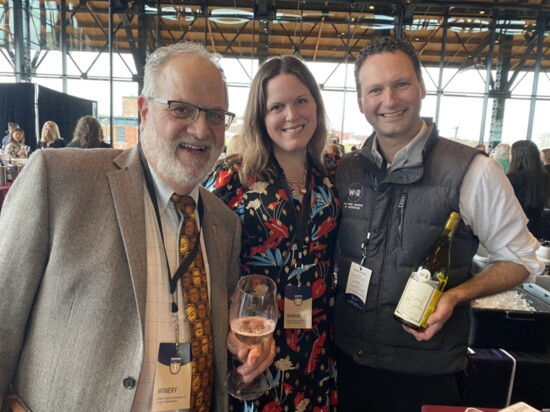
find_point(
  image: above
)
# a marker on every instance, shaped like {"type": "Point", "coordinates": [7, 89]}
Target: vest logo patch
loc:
{"type": "Point", "coordinates": [355, 192]}
{"type": "Point", "coordinates": [354, 196]}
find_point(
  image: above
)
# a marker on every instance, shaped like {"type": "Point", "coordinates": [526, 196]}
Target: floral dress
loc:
{"type": "Point", "coordinates": [13, 149]}
{"type": "Point", "coordinates": [303, 375]}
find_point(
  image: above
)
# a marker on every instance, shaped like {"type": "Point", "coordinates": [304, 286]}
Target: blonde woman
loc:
{"type": "Point", "coordinates": [50, 137]}
{"type": "Point", "coordinates": [502, 155]}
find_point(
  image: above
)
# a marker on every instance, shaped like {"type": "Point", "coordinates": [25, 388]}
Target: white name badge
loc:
{"type": "Point", "coordinates": [298, 303]}
{"type": "Point", "coordinates": [172, 389]}
{"type": "Point", "coordinates": [358, 285]}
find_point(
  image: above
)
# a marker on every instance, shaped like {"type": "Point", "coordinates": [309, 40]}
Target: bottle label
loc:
{"type": "Point", "coordinates": [416, 298]}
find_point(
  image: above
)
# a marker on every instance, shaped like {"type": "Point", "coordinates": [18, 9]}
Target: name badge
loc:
{"type": "Point", "coordinates": [172, 389]}
{"type": "Point", "coordinates": [298, 303]}
{"type": "Point", "coordinates": [358, 285]}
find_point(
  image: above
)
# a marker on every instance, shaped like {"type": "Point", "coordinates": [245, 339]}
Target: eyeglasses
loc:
{"type": "Point", "coordinates": [188, 113]}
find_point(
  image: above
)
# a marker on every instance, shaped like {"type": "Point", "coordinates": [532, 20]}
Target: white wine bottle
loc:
{"type": "Point", "coordinates": [427, 281]}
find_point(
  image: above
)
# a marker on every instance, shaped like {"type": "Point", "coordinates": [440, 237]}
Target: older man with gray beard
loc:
{"type": "Point", "coordinates": [90, 302]}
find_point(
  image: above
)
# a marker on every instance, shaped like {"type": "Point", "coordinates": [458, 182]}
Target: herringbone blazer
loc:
{"type": "Point", "coordinates": [73, 280]}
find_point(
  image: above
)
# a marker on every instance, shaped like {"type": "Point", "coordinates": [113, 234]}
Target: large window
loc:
{"type": "Point", "coordinates": [120, 136]}
{"type": "Point", "coordinates": [460, 113]}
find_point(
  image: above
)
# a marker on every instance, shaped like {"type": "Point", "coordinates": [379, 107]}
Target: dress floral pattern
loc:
{"type": "Point", "coordinates": [302, 376]}
{"type": "Point", "coordinates": [13, 149]}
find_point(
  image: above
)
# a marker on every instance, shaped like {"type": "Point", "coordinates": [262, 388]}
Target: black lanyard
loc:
{"type": "Point", "coordinates": [172, 280]}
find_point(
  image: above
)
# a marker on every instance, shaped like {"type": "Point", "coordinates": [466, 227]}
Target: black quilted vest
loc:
{"type": "Point", "coordinates": [404, 211]}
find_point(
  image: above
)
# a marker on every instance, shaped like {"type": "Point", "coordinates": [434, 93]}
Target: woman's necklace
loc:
{"type": "Point", "coordinates": [299, 186]}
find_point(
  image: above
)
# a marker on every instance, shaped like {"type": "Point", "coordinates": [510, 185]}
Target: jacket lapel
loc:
{"type": "Point", "coordinates": [127, 190]}
{"type": "Point", "coordinates": [218, 283]}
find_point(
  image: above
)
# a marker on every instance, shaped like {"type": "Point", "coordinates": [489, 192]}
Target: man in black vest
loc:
{"type": "Point", "coordinates": [396, 193]}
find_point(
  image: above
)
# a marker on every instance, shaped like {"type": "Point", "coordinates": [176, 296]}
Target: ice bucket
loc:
{"type": "Point", "coordinates": [514, 329]}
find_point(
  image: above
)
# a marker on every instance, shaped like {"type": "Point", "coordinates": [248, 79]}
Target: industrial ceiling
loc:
{"type": "Point", "coordinates": [455, 33]}
{"type": "Point", "coordinates": [458, 34]}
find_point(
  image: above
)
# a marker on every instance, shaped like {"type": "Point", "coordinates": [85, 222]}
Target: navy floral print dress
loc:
{"type": "Point", "coordinates": [303, 375]}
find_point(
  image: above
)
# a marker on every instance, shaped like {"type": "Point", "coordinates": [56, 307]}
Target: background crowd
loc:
{"type": "Point", "coordinates": [88, 133]}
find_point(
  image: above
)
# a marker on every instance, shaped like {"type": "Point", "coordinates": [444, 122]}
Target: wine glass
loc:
{"type": "Point", "coordinates": [252, 316]}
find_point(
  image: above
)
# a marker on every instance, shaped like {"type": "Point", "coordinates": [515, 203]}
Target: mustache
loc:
{"type": "Point", "coordinates": [190, 140]}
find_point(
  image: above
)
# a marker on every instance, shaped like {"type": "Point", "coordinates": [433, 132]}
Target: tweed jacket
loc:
{"type": "Point", "coordinates": [73, 280]}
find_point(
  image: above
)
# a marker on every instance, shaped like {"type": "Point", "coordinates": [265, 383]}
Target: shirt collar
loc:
{"type": "Point", "coordinates": [409, 155]}
{"type": "Point", "coordinates": [164, 192]}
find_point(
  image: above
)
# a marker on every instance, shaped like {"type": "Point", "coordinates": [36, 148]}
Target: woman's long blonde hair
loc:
{"type": "Point", "coordinates": [52, 126]}
{"type": "Point", "coordinates": [254, 140]}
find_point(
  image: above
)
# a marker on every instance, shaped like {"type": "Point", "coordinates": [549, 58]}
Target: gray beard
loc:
{"type": "Point", "coordinates": [163, 156]}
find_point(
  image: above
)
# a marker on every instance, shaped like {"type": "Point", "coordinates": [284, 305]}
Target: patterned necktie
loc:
{"type": "Point", "coordinates": [195, 296]}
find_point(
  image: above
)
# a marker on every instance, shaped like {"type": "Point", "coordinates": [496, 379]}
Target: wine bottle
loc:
{"type": "Point", "coordinates": [427, 280]}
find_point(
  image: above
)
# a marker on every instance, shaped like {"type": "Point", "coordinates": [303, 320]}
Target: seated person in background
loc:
{"type": "Point", "coordinates": [336, 141]}
{"type": "Point", "coordinates": [11, 127]}
{"type": "Point", "coordinates": [545, 157]}
{"type": "Point", "coordinates": [50, 137]}
{"type": "Point", "coordinates": [501, 155]}
{"type": "Point", "coordinates": [88, 134]}
{"type": "Point", "coordinates": [530, 182]}
{"type": "Point", "coordinates": [16, 144]}
{"type": "Point", "coordinates": [333, 154]}
{"type": "Point", "coordinates": [234, 146]}
{"type": "Point", "coordinates": [335, 150]}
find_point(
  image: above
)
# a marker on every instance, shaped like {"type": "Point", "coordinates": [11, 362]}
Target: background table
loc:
{"type": "Point", "coordinates": [495, 378]}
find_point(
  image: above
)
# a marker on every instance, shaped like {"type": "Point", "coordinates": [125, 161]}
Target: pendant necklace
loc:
{"type": "Point", "coordinates": [299, 185]}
